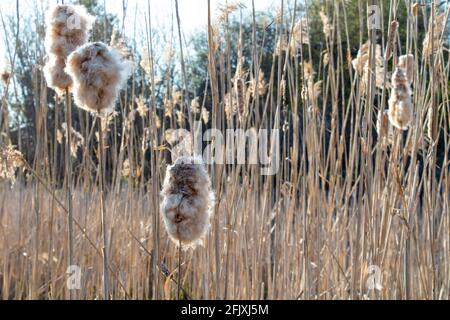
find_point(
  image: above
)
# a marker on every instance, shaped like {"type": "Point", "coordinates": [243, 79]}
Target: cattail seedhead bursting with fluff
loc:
{"type": "Point", "coordinates": [146, 61]}
{"type": "Point", "coordinates": [385, 129]}
{"type": "Point", "coordinates": [361, 64]}
{"type": "Point", "coordinates": [327, 26]}
{"type": "Point", "coordinates": [299, 36]}
{"type": "Point", "coordinates": [407, 62]}
{"type": "Point", "coordinates": [10, 160]}
{"type": "Point", "coordinates": [68, 27]}
{"type": "Point", "coordinates": [55, 75]}
{"type": "Point", "coordinates": [98, 73]}
{"type": "Point", "coordinates": [400, 105]}
{"type": "Point", "coordinates": [431, 43]}
{"type": "Point", "coordinates": [187, 201]}
{"type": "Point", "coordinates": [77, 139]}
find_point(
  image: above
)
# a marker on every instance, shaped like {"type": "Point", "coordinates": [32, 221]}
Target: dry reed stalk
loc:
{"type": "Point", "coordinates": [98, 73]}
{"type": "Point", "coordinates": [104, 225]}
{"type": "Point", "coordinates": [67, 28]}
{"type": "Point", "coordinates": [69, 181]}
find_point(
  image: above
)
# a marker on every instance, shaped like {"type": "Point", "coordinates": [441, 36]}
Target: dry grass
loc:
{"type": "Point", "coordinates": [343, 199]}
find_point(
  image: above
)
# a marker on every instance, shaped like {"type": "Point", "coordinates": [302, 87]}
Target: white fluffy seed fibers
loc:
{"type": "Point", "coordinates": [67, 27]}
{"type": "Point", "coordinates": [98, 73]}
{"type": "Point", "coordinates": [187, 201]}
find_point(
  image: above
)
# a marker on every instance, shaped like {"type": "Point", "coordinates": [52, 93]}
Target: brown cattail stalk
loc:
{"type": "Point", "coordinates": [299, 37]}
{"type": "Point", "coordinates": [68, 159]}
{"type": "Point", "coordinates": [187, 204]}
{"type": "Point", "coordinates": [67, 27]}
{"type": "Point", "coordinates": [98, 73]}
{"type": "Point", "coordinates": [101, 166]}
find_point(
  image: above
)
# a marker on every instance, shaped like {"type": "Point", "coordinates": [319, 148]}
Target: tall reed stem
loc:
{"type": "Point", "coordinates": [101, 166]}
{"type": "Point", "coordinates": [179, 270]}
{"type": "Point", "coordinates": [69, 180]}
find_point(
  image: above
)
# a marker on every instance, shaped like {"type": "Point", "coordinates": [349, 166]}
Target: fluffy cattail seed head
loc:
{"type": "Point", "coordinates": [118, 42]}
{"type": "Point", "coordinates": [362, 58]}
{"type": "Point", "coordinates": [400, 105]}
{"type": "Point", "coordinates": [241, 88]}
{"type": "Point", "coordinates": [195, 105]}
{"type": "Point", "coordinates": [431, 43]}
{"type": "Point", "coordinates": [67, 28]}
{"type": "Point", "coordinates": [146, 61]}
{"type": "Point", "coordinates": [327, 26]}
{"type": "Point", "coordinates": [384, 129]}
{"type": "Point", "coordinates": [299, 36]}
{"type": "Point", "coordinates": [205, 116]}
{"type": "Point", "coordinates": [5, 72]}
{"type": "Point", "coordinates": [10, 160]}
{"type": "Point", "coordinates": [361, 64]}
{"type": "Point", "coordinates": [258, 85]}
{"type": "Point", "coordinates": [77, 139]}
{"type": "Point", "coordinates": [98, 73]}
{"type": "Point", "coordinates": [55, 75]}
{"type": "Point", "coordinates": [187, 201]}
{"type": "Point", "coordinates": [230, 105]}
{"type": "Point", "coordinates": [407, 62]}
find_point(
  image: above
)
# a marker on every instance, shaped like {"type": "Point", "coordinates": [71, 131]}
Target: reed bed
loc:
{"type": "Point", "coordinates": [361, 181]}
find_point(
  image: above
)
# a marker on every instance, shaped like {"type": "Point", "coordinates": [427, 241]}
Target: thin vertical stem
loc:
{"type": "Point", "coordinates": [69, 180]}
{"type": "Point", "coordinates": [101, 167]}
{"type": "Point", "coordinates": [183, 69]}
{"type": "Point", "coordinates": [179, 270]}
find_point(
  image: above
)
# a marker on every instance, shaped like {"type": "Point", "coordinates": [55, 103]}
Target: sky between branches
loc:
{"type": "Point", "coordinates": [193, 13]}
